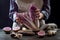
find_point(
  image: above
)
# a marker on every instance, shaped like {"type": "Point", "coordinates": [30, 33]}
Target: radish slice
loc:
{"type": "Point", "coordinates": [6, 28]}
{"type": "Point", "coordinates": [41, 33]}
{"type": "Point", "coordinates": [16, 28]}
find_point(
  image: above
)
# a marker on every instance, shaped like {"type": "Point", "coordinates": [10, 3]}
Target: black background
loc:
{"type": "Point", "coordinates": [55, 15]}
{"type": "Point", "coordinates": [4, 11]}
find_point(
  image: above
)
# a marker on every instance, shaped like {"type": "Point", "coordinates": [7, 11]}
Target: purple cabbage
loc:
{"type": "Point", "coordinates": [27, 22]}
{"type": "Point", "coordinates": [29, 18]}
{"type": "Point", "coordinates": [32, 14]}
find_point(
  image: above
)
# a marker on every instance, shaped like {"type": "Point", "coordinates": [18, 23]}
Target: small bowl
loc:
{"type": "Point", "coordinates": [41, 33]}
{"type": "Point", "coordinates": [15, 29]}
{"type": "Point", "coordinates": [7, 30]}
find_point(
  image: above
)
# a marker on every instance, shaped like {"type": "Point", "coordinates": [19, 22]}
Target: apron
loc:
{"type": "Point", "coordinates": [23, 5]}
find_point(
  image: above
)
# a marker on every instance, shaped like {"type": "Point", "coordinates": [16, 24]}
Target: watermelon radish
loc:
{"type": "Point", "coordinates": [41, 33]}
{"type": "Point", "coordinates": [7, 30]}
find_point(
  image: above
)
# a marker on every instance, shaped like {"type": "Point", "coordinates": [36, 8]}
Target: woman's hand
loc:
{"type": "Point", "coordinates": [39, 15]}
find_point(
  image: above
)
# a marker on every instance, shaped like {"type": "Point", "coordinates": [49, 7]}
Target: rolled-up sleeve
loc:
{"type": "Point", "coordinates": [46, 9]}
{"type": "Point", "coordinates": [13, 8]}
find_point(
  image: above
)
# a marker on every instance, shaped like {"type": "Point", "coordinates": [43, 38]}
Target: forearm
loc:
{"type": "Point", "coordinates": [46, 9]}
{"type": "Point", "coordinates": [13, 9]}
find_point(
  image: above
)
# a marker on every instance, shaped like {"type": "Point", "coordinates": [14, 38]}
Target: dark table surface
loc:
{"type": "Point", "coordinates": [4, 36]}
